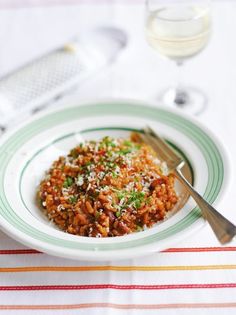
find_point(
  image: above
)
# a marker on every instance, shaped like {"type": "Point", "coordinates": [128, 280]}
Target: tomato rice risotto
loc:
{"type": "Point", "coordinates": [109, 187]}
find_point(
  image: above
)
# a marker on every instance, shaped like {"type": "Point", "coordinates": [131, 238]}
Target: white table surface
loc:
{"type": "Point", "coordinates": [139, 73]}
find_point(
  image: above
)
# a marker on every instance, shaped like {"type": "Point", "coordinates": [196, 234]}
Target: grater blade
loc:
{"type": "Point", "coordinates": [35, 84]}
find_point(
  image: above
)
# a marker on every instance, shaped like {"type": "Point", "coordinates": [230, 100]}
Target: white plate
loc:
{"type": "Point", "coordinates": [27, 152]}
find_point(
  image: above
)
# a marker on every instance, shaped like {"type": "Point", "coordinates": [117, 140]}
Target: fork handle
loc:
{"type": "Point", "coordinates": [223, 228]}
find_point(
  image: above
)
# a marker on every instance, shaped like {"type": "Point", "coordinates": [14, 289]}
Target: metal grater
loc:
{"type": "Point", "coordinates": [30, 87]}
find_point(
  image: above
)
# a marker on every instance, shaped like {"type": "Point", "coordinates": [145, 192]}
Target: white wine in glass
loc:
{"type": "Point", "coordinates": [179, 30]}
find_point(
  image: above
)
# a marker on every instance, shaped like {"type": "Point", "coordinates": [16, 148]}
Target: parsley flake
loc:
{"type": "Point", "coordinates": [68, 182]}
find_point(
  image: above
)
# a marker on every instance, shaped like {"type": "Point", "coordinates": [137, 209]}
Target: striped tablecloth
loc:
{"type": "Point", "coordinates": [197, 279]}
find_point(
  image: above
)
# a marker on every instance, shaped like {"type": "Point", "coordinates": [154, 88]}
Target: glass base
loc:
{"type": "Point", "coordinates": [190, 100]}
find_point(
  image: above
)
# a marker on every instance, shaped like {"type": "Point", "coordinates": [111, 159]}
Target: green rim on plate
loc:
{"type": "Point", "coordinates": [197, 135]}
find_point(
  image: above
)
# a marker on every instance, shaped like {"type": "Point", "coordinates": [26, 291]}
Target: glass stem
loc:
{"type": "Point", "coordinates": [181, 96]}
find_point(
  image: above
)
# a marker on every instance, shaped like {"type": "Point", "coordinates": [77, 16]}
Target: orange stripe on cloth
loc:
{"type": "Point", "coordinates": [115, 268]}
{"type": "Point", "coordinates": [118, 306]}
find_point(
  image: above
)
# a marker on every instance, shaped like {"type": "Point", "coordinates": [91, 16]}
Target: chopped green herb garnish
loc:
{"type": "Point", "coordinates": [110, 164]}
{"type": "Point", "coordinates": [121, 195]}
{"type": "Point", "coordinates": [109, 153]}
{"type": "Point", "coordinates": [108, 142]}
{"type": "Point", "coordinates": [136, 195]}
{"type": "Point", "coordinates": [118, 213]}
{"type": "Point", "coordinates": [73, 199]}
{"type": "Point", "coordinates": [124, 152]}
{"type": "Point", "coordinates": [137, 203]}
{"type": "Point", "coordinates": [68, 182]}
{"type": "Point", "coordinates": [128, 143]}
{"type": "Point", "coordinates": [136, 198]}
{"type": "Point", "coordinates": [114, 175]}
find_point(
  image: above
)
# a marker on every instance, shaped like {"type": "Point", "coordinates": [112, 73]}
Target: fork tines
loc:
{"type": "Point", "coordinates": [165, 152]}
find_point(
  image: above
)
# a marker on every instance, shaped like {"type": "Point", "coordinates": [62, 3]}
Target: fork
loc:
{"type": "Point", "coordinates": [223, 228]}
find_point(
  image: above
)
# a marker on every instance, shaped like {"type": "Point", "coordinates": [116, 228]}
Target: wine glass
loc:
{"type": "Point", "coordinates": [179, 30]}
